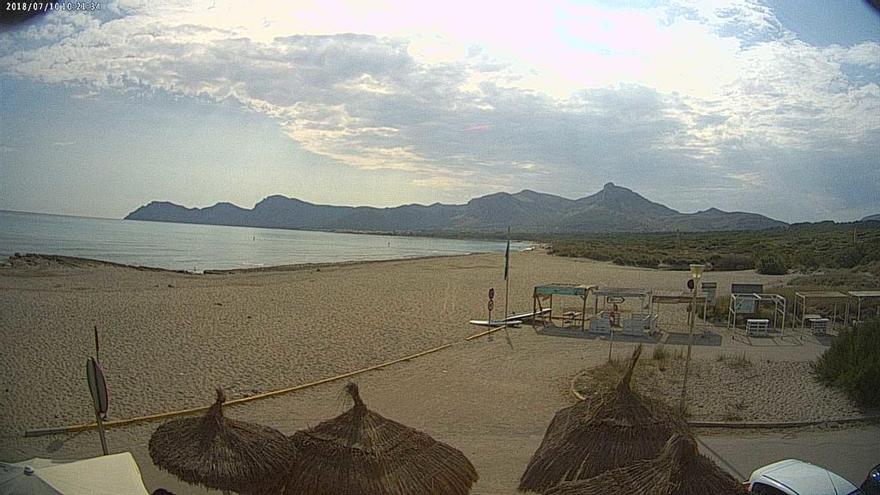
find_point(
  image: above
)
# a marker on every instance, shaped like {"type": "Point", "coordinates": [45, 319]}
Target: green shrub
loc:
{"type": "Point", "coordinates": [852, 363]}
{"type": "Point", "coordinates": [772, 265]}
{"type": "Point", "coordinates": [802, 247]}
{"type": "Point", "coordinates": [851, 256]}
{"type": "Point", "coordinates": [731, 262]}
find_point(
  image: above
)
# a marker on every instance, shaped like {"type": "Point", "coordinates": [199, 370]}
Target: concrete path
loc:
{"type": "Point", "coordinates": [849, 452]}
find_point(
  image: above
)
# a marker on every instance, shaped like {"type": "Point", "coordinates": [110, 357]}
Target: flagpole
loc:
{"type": "Point", "coordinates": [506, 276]}
{"type": "Point", "coordinates": [507, 287]}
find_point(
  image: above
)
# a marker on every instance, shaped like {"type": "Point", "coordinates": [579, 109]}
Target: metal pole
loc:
{"type": "Point", "coordinates": [611, 342]}
{"type": "Point", "coordinates": [687, 361]}
{"type": "Point", "coordinates": [611, 335]}
{"type": "Point", "coordinates": [584, 313]}
{"type": "Point", "coordinates": [97, 346]}
{"type": "Point", "coordinates": [859, 313]}
{"type": "Point", "coordinates": [489, 321]}
{"type": "Point", "coordinates": [507, 296]}
{"type": "Point", "coordinates": [101, 431]}
{"type": "Point", "coordinates": [784, 309]}
{"type": "Point", "coordinates": [730, 305]}
{"type": "Point", "coordinates": [507, 287]}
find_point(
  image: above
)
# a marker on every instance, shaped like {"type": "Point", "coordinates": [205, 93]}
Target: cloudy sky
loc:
{"type": "Point", "coordinates": [767, 106]}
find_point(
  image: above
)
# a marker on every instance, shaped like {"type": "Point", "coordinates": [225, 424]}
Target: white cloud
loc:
{"type": "Point", "coordinates": [463, 90]}
{"type": "Point", "coordinates": [750, 179]}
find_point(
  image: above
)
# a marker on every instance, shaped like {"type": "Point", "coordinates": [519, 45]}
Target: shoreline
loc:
{"type": "Point", "coordinates": [37, 260]}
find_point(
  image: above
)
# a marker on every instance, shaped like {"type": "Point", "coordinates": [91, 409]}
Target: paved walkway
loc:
{"type": "Point", "coordinates": [849, 452]}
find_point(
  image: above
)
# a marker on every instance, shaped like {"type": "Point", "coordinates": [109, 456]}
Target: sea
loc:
{"type": "Point", "coordinates": [192, 247]}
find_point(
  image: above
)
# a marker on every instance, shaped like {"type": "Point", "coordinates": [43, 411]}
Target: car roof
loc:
{"type": "Point", "coordinates": [804, 478]}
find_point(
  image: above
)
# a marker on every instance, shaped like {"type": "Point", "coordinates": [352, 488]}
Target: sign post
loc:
{"type": "Point", "coordinates": [694, 285]}
{"type": "Point", "coordinates": [98, 389]}
{"type": "Point", "coordinates": [491, 306]}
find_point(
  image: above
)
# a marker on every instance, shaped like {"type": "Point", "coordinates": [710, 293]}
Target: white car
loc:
{"type": "Point", "coordinates": [794, 477]}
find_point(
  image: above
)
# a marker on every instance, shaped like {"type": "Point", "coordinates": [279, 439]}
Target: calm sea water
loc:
{"type": "Point", "coordinates": [200, 247]}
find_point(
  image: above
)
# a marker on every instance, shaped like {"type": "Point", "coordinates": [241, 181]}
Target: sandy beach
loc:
{"type": "Point", "coordinates": [167, 339]}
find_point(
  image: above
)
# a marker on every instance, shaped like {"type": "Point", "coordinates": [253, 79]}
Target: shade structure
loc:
{"type": "Point", "coordinates": [592, 437]}
{"type": "Point", "coordinates": [679, 470]}
{"type": "Point", "coordinates": [116, 474]}
{"type": "Point", "coordinates": [221, 453]}
{"type": "Point", "coordinates": [363, 453]}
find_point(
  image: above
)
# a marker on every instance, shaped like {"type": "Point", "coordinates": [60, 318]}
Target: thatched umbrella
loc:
{"type": "Point", "coordinates": [592, 437]}
{"type": "Point", "coordinates": [362, 453]}
{"type": "Point", "coordinates": [221, 453]}
{"type": "Point", "coordinates": [680, 470]}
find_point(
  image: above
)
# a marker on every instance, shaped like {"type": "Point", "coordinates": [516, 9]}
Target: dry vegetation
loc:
{"type": "Point", "coordinates": [730, 387]}
{"type": "Point", "coordinates": [804, 247]}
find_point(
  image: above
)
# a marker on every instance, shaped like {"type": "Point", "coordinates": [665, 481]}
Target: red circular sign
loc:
{"type": "Point", "coordinates": [691, 284]}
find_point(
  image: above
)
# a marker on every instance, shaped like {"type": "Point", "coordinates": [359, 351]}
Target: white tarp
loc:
{"type": "Point", "coordinates": [115, 474]}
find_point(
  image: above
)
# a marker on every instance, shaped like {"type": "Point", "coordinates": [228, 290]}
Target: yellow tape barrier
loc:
{"type": "Point", "coordinates": [193, 410]}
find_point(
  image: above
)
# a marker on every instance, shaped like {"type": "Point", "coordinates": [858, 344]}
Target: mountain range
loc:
{"type": "Point", "coordinates": [613, 209]}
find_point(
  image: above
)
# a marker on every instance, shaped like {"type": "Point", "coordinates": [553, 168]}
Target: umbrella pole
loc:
{"type": "Point", "coordinates": [693, 316]}
{"type": "Point", "coordinates": [506, 297]}
{"type": "Point", "coordinates": [101, 429]}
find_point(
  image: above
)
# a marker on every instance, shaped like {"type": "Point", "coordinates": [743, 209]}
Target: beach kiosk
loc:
{"type": "Point", "coordinates": [635, 322]}
{"type": "Point", "coordinates": [542, 298]}
{"type": "Point", "coordinates": [817, 323]}
{"type": "Point", "coordinates": [742, 303]}
{"type": "Point", "coordinates": [859, 295]}
{"type": "Point", "coordinates": [683, 298]}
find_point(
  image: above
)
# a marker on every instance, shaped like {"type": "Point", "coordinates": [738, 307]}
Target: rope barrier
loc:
{"type": "Point", "coordinates": [183, 412]}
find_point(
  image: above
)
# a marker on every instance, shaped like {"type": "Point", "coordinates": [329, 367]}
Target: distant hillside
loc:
{"type": "Point", "coordinates": [613, 209]}
{"type": "Point", "coordinates": [872, 218]}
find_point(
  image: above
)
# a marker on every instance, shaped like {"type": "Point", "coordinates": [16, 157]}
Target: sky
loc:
{"type": "Point", "coordinates": [768, 106]}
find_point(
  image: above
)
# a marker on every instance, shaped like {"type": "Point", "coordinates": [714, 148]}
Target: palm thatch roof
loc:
{"type": "Point", "coordinates": [591, 437]}
{"type": "Point", "coordinates": [680, 470]}
{"type": "Point", "coordinates": [362, 453]}
{"type": "Point", "coordinates": [220, 453]}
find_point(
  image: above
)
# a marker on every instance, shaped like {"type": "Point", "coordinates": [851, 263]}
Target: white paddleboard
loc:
{"type": "Point", "coordinates": [528, 316]}
{"type": "Point", "coordinates": [510, 320]}
{"type": "Point", "coordinates": [495, 323]}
